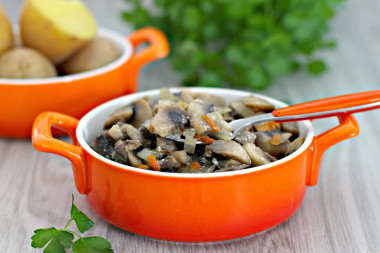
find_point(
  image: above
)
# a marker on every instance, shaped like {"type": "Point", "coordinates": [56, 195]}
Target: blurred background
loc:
{"type": "Point", "coordinates": [319, 48]}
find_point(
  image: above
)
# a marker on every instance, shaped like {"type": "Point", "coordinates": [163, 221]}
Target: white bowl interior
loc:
{"type": "Point", "coordinates": [91, 125]}
{"type": "Point", "coordinates": [120, 41]}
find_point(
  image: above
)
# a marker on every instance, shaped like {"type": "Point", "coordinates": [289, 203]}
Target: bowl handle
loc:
{"type": "Point", "coordinates": [348, 128]}
{"type": "Point", "coordinates": [158, 48]}
{"type": "Point", "coordinates": [43, 140]}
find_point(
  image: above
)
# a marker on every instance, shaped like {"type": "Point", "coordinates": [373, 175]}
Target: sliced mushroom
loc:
{"type": "Point", "coordinates": [211, 98]}
{"type": "Point", "coordinates": [230, 149]}
{"type": "Point", "coordinates": [115, 133]}
{"type": "Point", "coordinates": [141, 112]}
{"type": "Point", "coordinates": [168, 120]}
{"type": "Point", "coordinates": [169, 163]}
{"type": "Point", "coordinates": [257, 155]}
{"type": "Point", "coordinates": [280, 138]}
{"type": "Point", "coordinates": [257, 104]}
{"type": "Point", "coordinates": [165, 94]}
{"type": "Point", "coordinates": [121, 114]}
{"type": "Point", "coordinates": [241, 109]}
{"type": "Point", "coordinates": [196, 109]}
{"type": "Point", "coordinates": [104, 146]}
{"type": "Point", "coordinates": [181, 156]}
{"type": "Point", "coordinates": [245, 137]}
{"type": "Point", "coordinates": [165, 145]}
{"type": "Point", "coordinates": [290, 127]}
{"type": "Point", "coordinates": [131, 132]}
{"type": "Point", "coordinates": [133, 159]}
{"type": "Point", "coordinates": [263, 141]}
{"type": "Point", "coordinates": [296, 144]}
{"type": "Point", "coordinates": [230, 164]}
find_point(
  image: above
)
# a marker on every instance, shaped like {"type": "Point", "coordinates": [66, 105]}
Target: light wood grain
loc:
{"type": "Point", "coordinates": [340, 214]}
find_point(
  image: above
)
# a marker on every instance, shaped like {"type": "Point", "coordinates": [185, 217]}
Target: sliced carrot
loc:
{"type": "Point", "coordinates": [151, 129]}
{"type": "Point", "coordinates": [195, 165]}
{"type": "Point", "coordinates": [153, 163]}
{"type": "Point", "coordinates": [143, 166]}
{"type": "Point", "coordinates": [210, 123]}
{"type": "Point", "coordinates": [204, 139]}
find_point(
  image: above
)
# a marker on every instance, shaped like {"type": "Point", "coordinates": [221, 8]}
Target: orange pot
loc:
{"type": "Point", "coordinates": [188, 207]}
{"type": "Point", "coordinates": [22, 100]}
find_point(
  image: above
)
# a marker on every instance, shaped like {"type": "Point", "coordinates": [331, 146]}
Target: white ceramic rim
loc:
{"type": "Point", "coordinates": [82, 123]}
{"type": "Point", "coordinates": [120, 41]}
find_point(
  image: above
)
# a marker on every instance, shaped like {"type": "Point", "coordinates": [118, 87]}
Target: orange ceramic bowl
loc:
{"type": "Point", "coordinates": [187, 207]}
{"type": "Point", "coordinates": [21, 100]}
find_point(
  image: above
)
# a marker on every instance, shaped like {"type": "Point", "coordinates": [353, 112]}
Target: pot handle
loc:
{"type": "Point", "coordinates": [43, 140]}
{"type": "Point", "coordinates": [158, 48]}
{"type": "Point", "coordinates": [348, 128]}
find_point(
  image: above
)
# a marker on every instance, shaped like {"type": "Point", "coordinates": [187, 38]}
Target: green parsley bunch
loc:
{"type": "Point", "coordinates": [245, 43]}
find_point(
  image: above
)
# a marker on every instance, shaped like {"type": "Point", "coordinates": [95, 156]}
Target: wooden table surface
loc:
{"type": "Point", "coordinates": [340, 214]}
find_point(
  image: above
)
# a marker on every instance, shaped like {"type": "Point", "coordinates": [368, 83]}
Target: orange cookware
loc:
{"type": "Point", "coordinates": [195, 207]}
{"type": "Point", "coordinates": [21, 100]}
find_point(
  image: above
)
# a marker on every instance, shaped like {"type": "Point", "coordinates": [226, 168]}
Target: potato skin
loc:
{"type": "Point", "coordinates": [38, 32]}
{"type": "Point", "coordinates": [21, 62]}
{"type": "Point", "coordinates": [99, 52]}
{"type": "Point", "coordinates": [6, 33]}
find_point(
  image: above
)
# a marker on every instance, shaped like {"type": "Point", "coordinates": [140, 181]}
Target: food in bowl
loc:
{"type": "Point", "coordinates": [57, 37]}
{"type": "Point", "coordinates": [144, 134]}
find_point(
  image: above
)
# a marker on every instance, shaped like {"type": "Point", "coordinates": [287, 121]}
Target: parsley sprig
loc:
{"type": "Point", "coordinates": [57, 240]}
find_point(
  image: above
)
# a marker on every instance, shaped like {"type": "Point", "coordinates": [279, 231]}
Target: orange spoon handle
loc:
{"type": "Point", "coordinates": [333, 103]}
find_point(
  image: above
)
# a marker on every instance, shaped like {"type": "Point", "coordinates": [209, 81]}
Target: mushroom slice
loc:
{"type": "Point", "coordinates": [169, 163]}
{"type": "Point", "coordinates": [257, 104]}
{"type": "Point", "coordinates": [196, 109]}
{"type": "Point", "coordinates": [181, 156]}
{"type": "Point", "coordinates": [211, 98]}
{"type": "Point", "coordinates": [245, 137]}
{"type": "Point", "coordinates": [142, 112]}
{"type": "Point", "coordinates": [241, 109]}
{"type": "Point", "coordinates": [230, 164]}
{"type": "Point", "coordinates": [165, 145]}
{"type": "Point", "coordinates": [168, 120]}
{"type": "Point", "coordinates": [230, 149]}
{"type": "Point", "coordinates": [115, 133]}
{"type": "Point", "coordinates": [131, 132]}
{"type": "Point", "coordinates": [257, 155]}
{"type": "Point", "coordinates": [133, 159]}
{"type": "Point", "coordinates": [263, 141]}
{"type": "Point", "coordinates": [165, 94]}
{"type": "Point", "coordinates": [104, 146]}
{"type": "Point", "coordinates": [296, 144]}
{"type": "Point", "coordinates": [290, 127]}
{"type": "Point", "coordinates": [121, 114]}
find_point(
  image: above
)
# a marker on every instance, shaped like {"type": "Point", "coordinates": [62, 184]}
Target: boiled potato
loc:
{"type": "Point", "coordinates": [97, 53]}
{"type": "Point", "coordinates": [21, 62]}
{"type": "Point", "coordinates": [6, 33]}
{"type": "Point", "coordinates": [56, 28]}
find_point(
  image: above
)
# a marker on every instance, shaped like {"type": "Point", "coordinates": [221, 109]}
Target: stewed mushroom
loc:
{"type": "Point", "coordinates": [140, 134]}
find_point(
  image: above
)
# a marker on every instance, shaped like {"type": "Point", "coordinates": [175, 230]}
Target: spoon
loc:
{"type": "Point", "coordinates": [322, 108]}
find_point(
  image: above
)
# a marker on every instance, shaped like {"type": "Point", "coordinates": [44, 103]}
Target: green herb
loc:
{"type": "Point", "coordinates": [58, 240]}
{"type": "Point", "coordinates": [246, 43]}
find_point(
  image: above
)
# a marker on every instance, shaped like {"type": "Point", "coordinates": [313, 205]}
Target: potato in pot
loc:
{"type": "Point", "coordinates": [22, 62]}
{"type": "Point", "coordinates": [99, 52]}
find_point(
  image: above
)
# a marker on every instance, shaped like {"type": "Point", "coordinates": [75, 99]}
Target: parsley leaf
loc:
{"type": "Point", "coordinates": [83, 222]}
{"type": "Point", "coordinates": [93, 244]}
{"type": "Point", "coordinates": [59, 240]}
